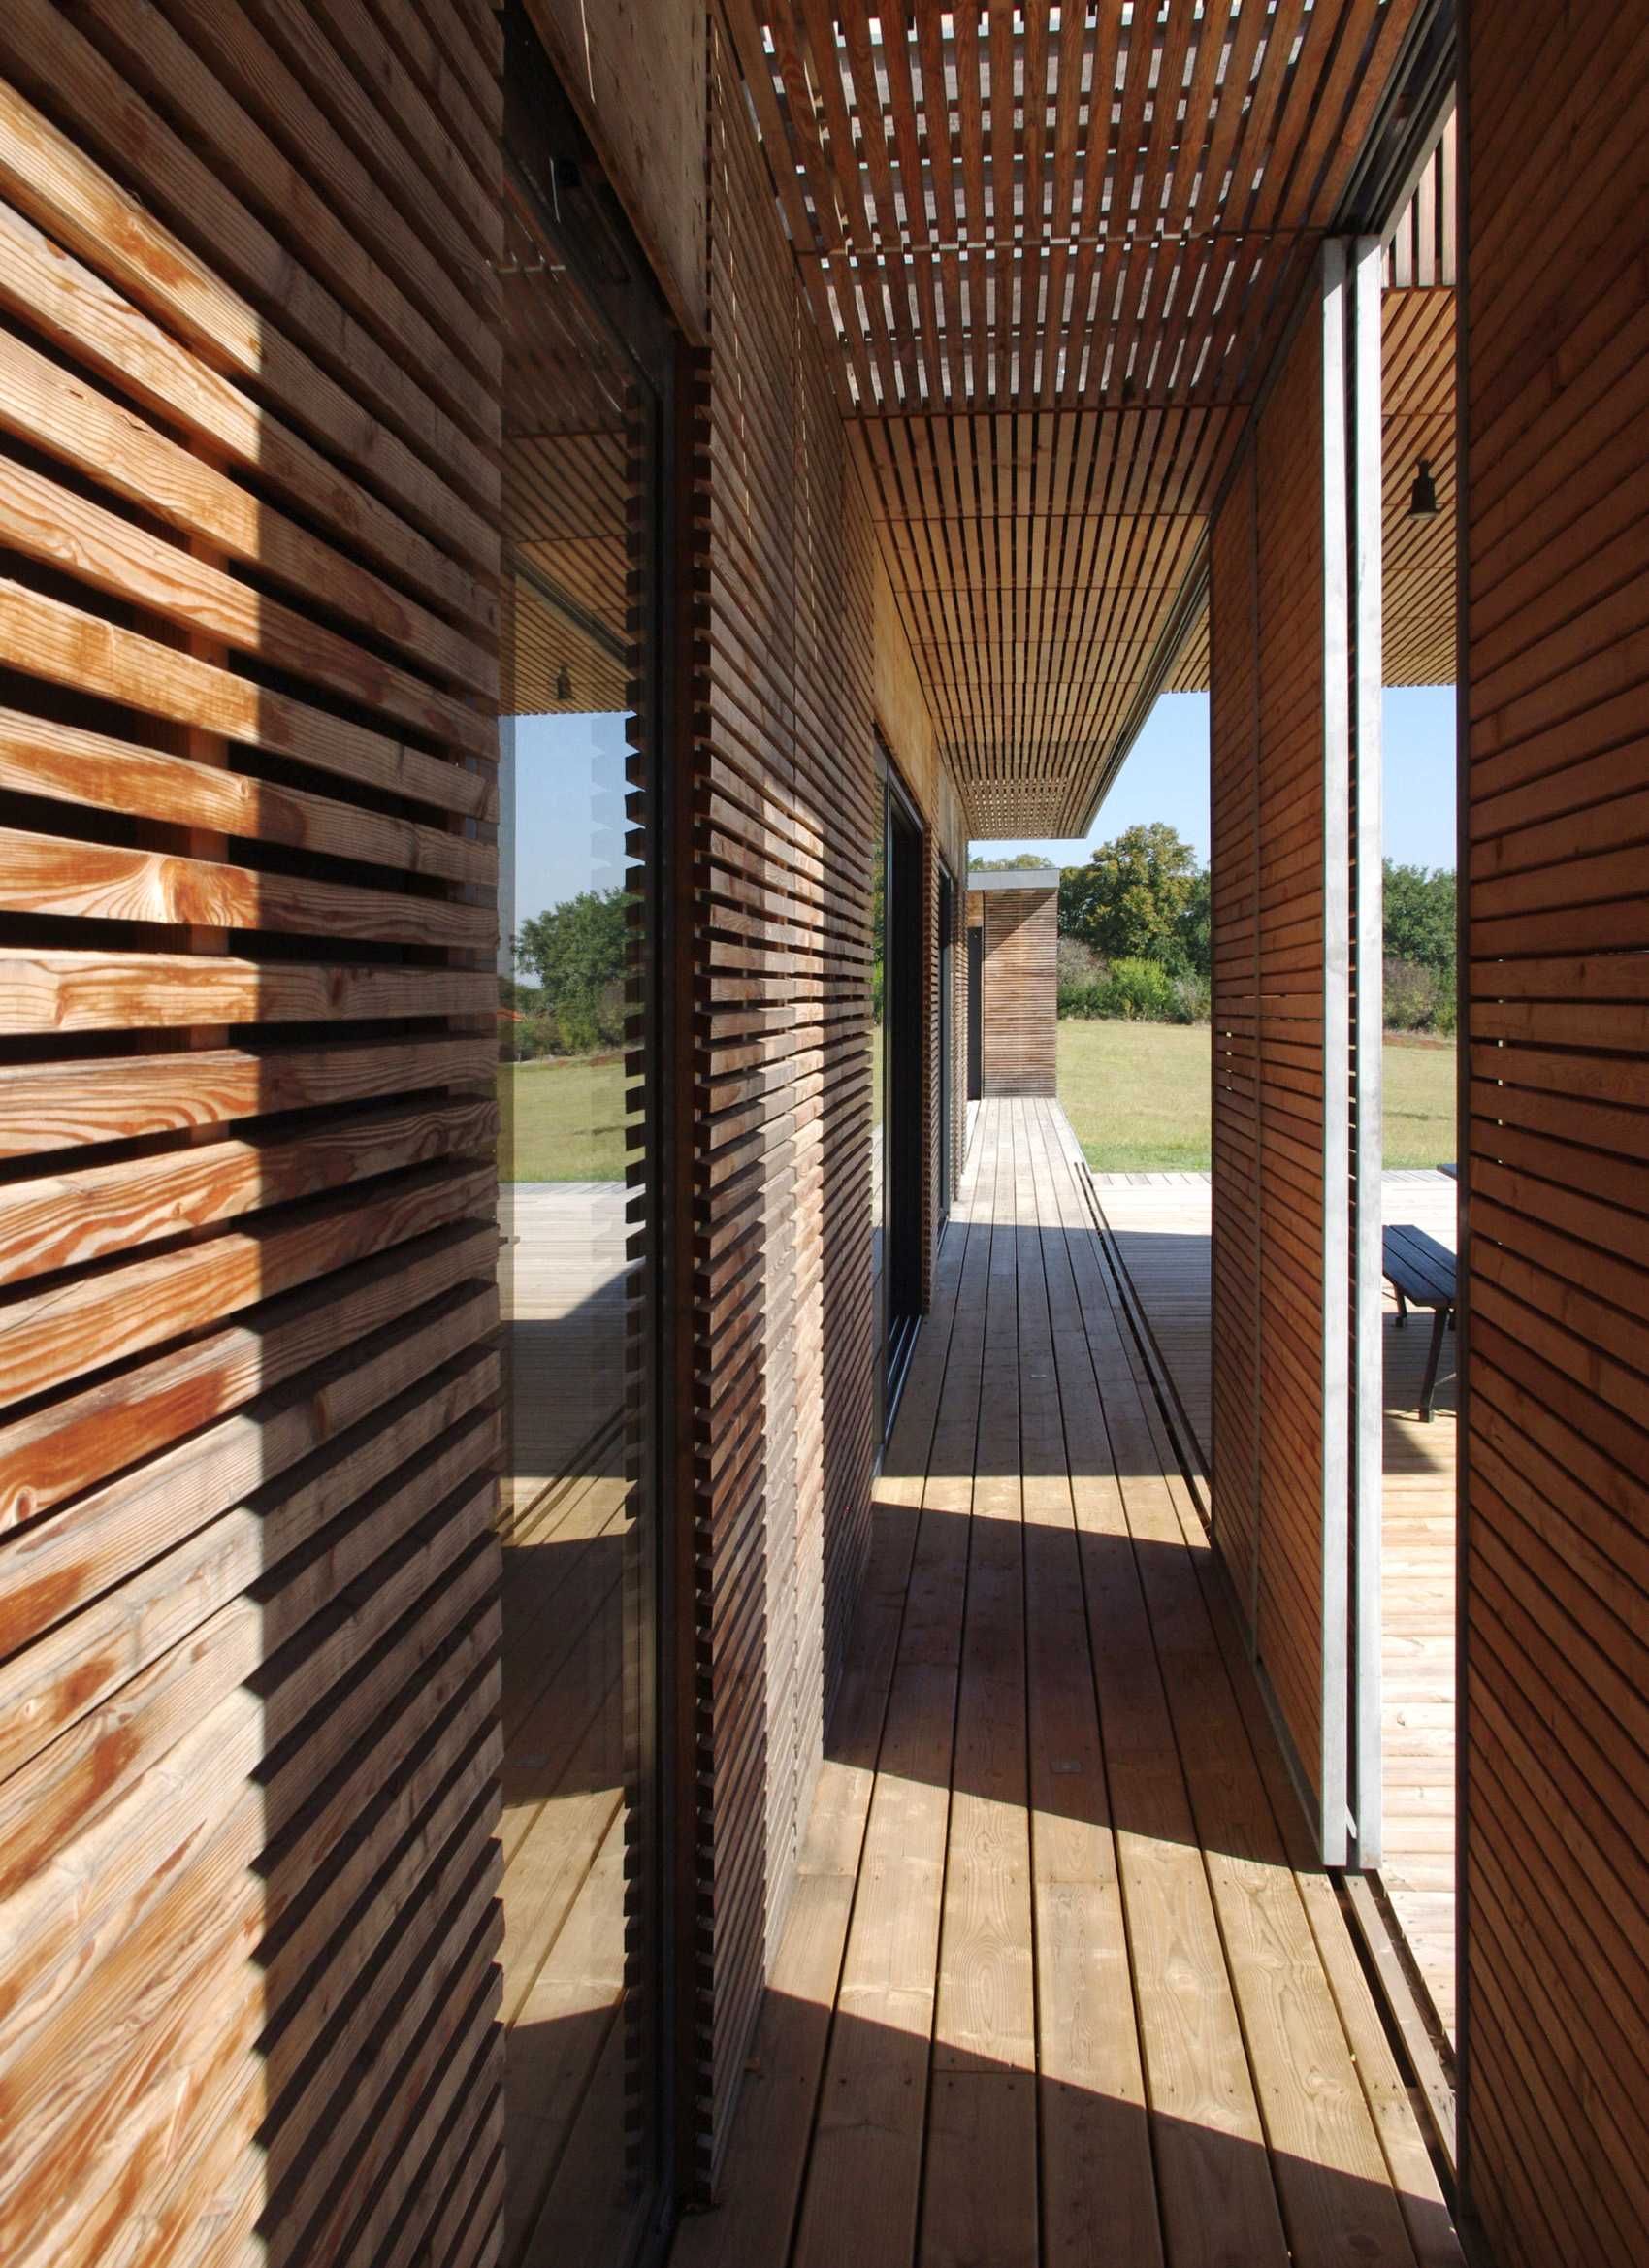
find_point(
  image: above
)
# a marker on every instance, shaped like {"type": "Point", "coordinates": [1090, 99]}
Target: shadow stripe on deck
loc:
{"type": "Point", "coordinates": [1056, 1985]}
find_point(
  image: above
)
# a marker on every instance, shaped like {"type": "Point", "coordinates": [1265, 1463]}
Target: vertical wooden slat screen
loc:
{"type": "Point", "coordinates": [786, 817]}
{"type": "Point", "coordinates": [1555, 1431]}
{"type": "Point", "coordinates": [1269, 986]}
{"type": "Point", "coordinates": [249, 373]}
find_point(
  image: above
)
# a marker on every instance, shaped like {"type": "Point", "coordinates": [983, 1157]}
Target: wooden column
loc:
{"type": "Point", "coordinates": [1295, 645]}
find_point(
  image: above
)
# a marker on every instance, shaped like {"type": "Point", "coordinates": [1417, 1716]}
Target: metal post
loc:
{"type": "Point", "coordinates": [1367, 1356]}
{"type": "Point", "coordinates": [1336, 1379]}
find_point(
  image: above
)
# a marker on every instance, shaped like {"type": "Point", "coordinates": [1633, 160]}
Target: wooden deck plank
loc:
{"type": "Point", "coordinates": [1097, 2161]}
{"type": "Point", "coordinates": [767, 2155]}
{"type": "Point", "coordinates": [865, 2170]}
{"type": "Point", "coordinates": [1057, 1986]}
{"type": "Point", "coordinates": [980, 2189]}
{"type": "Point", "coordinates": [1161, 1232]}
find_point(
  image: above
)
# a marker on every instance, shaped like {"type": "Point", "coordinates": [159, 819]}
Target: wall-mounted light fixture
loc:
{"type": "Point", "coordinates": [1423, 496]}
{"type": "Point", "coordinates": [564, 675]}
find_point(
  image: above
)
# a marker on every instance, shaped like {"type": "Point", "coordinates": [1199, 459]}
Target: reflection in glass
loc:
{"type": "Point", "coordinates": [578, 1507]}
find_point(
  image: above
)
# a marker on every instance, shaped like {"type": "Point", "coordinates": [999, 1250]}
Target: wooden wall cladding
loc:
{"type": "Point", "coordinates": [1555, 1434]}
{"type": "Point", "coordinates": [249, 374]}
{"type": "Point", "coordinates": [786, 811]}
{"type": "Point", "coordinates": [1232, 619]}
{"type": "Point", "coordinates": [906, 726]}
{"type": "Point", "coordinates": [1267, 623]}
{"type": "Point", "coordinates": [1020, 1034]}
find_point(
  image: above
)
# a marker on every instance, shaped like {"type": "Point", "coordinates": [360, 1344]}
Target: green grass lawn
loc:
{"type": "Point", "coordinates": [562, 1121]}
{"type": "Point", "coordinates": [1138, 1096]}
{"type": "Point", "coordinates": [1136, 1093]}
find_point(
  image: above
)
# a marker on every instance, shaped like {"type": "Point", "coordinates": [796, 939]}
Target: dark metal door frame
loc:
{"type": "Point", "coordinates": [976, 1011]}
{"type": "Point", "coordinates": [947, 1035]}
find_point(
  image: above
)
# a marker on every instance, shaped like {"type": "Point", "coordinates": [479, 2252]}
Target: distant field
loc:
{"type": "Point", "coordinates": [562, 1121]}
{"type": "Point", "coordinates": [1137, 1096]}
{"type": "Point", "coordinates": [1136, 1093]}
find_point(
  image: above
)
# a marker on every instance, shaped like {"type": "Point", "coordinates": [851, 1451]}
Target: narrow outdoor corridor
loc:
{"type": "Point", "coordinates": [1059, 1981]}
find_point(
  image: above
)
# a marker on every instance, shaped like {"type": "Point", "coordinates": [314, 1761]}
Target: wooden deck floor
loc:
{"type": "Point", "coordinates": [1058, 1983]}
{"type": "Point", "coordinates": [1160, 1224]}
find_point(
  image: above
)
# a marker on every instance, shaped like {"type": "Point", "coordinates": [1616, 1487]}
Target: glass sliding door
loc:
{"type": "Point", "coordinates": [904, 1027]}
{"type": "Point", "coordinates": [947, 1036]}
{"type": "Point", "coordinates": [584, 824]}
{"type": "Point", "coordinates": [879, 1089]}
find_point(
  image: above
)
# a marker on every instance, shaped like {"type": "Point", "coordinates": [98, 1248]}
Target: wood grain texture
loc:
{"type": "Point", "coordinates": [800, 665]}
{"type": "Point", "coordinates": [1020, 1038]}
{"type": "Point", "coordinates": [1060, 1981]}
{"type": "Point", "coordinates": [1054, 255]}
{"type": "Point", "coordinates": [249, 413]}
{"type": "Point", "coordinates": [787, 813]}
{"type": "Point", "coordinates": [636, 74]}
{"type": "Point", "coordinates": [1555, 1427]}
{"type": "Point", "coordinates": [1268, 633]}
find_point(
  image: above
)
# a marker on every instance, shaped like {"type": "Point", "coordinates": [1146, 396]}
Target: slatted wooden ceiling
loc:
{"type": "Point", "coordinates": [1418, 407]}
{"type": "Point", "coordinates": [1419, 554]}
{"type": "Point", "coordinates": [1036, 556]}
{"type": "Point", "coordinates": [565, 485]}
{"type": "Point", "coordinates": [1058, 210]}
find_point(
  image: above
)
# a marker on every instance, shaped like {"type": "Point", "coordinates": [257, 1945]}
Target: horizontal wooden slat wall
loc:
{"type": "Point", "coordinates": [906, 726]}
{"type": "Point", "coordinates": [1267, 619]}
{"type": "Point", "coordinates": [1237, 1089]}
{"type": "Point", "coordinates": [786, 817]}
{"type": "Point", "coordinates": [1019, 1037]}
{"type": "Point", "coordinates": [249, 373]}
{"type": "Point", "coordinates": [1555, 1432]}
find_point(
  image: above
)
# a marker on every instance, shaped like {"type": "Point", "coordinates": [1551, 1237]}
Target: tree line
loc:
{"type": "Point", "coordinates": [1134, 941]}
{"type": "Point", "coordinates": [568, 1000]}
{"type": "Point", "coordinates": [1135, 934]}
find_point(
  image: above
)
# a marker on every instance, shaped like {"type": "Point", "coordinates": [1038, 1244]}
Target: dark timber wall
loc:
{"type": "Point", "coordinates": [1020, 1035]}
{"type": "Point", "coordinates": [1266, 627]}
{"type": "Point", "coordinates": [1556, 845]}
{"type": "Point", "coordinates": [249, 372]}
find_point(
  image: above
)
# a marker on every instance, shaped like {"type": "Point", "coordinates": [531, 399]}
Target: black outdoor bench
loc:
{"type": "Point", "coordinates": [1421, 1273]}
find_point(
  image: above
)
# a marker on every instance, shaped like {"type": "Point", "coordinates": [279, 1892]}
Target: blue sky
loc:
{"type": "Point", "coordinates": [563, 830]}
{"type": "Point", "coordinates": [569, 821]}
{"type": "Point", "coordinates": [1166, 777]}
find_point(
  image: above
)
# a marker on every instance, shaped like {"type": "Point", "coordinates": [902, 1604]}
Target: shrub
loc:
{"type": "Point", "coordinates": [1193, 996]}
{"type": "Point", "coordinates": [1140, 991]}
{"type": "Point", "coordinates": [1412, 994]}
{"type": "Point", "coordinates": [1080, 974]}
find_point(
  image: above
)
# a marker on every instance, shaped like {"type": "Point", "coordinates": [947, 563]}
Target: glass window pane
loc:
{"type": "Point", "coordinates": [579, 1509]}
